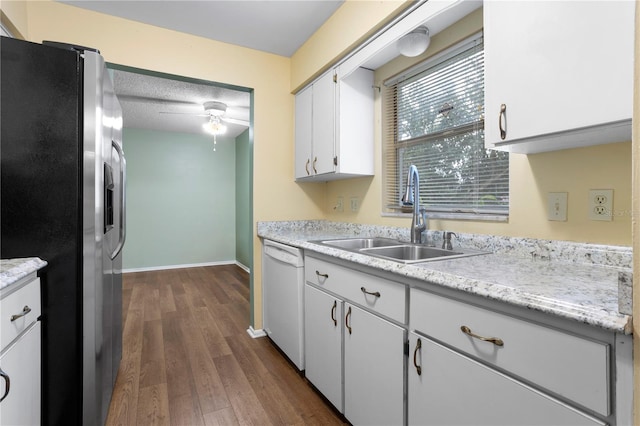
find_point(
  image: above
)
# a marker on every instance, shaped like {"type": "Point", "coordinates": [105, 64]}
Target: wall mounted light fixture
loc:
{"type": "Point", "coordinates": [415, 42]}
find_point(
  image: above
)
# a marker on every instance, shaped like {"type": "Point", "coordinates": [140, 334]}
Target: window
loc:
{"type": "Point", "coordinates": [433, 118]}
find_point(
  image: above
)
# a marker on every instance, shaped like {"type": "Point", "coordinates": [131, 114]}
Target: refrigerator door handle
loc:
{"type": "Point", "coordinates": [123, 201]}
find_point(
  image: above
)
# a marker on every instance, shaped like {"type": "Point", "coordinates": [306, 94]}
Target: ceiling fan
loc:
{"type": "Point", "coordinates": [213, 109]}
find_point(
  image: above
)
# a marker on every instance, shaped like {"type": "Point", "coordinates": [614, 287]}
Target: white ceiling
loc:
{"type": "Point", "coordinates": [165, 104]}
{"type": "Point", "coordinates": [273, 26]}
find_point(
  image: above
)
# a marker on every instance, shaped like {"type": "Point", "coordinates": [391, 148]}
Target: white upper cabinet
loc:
{"type": "Point", "coordinates": [334, 127]}
{"type": "Point", "coordinates": [561, 72]}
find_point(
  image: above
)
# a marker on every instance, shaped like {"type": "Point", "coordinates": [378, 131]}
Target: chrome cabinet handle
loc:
{"type": "Point", "coordinates": [496, 341]}
{"type": "Point", "coordinates": [503, 114]}
{"type": "Point", "coordinates": [364, 290]}
{"type": "Point", "coordinates": [24, 312]}
{"type": "Point", "coordinates": [315, 160]}
{"type": "Point", "coordinates": [346, 320]}
{"type": "Point", "coordinates": [333, 313]}
{"type": "Point", "coordinates": [325, 276]}
{"type": "Point", "coordinates": [415, 356]}
{"type": "Point", "coordinates": [306, 166]}
{"type": "Point", "coordinates": [7, 384]}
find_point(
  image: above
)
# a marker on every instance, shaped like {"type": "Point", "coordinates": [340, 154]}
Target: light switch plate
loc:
{"type": "Point", "coordinates": [557, 206]}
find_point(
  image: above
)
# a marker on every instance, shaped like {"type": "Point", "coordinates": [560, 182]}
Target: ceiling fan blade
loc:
{"type": "Point", "coordinates": [184, 113]}
{"type": "Point", "coordinates": [235, 121]}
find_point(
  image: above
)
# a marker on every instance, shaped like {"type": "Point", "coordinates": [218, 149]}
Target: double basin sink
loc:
{"type": "Point", "coordinates": [398, 251]}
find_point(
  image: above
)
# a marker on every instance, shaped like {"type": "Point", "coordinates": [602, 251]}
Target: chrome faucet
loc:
{"type": "Point", "coordinates": [411, 197]}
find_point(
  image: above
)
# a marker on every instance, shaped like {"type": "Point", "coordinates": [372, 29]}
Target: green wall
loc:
{"type": "Point", "coordinates": [243, 209]}
{"type": "Point", "coordinates": [181, 207]}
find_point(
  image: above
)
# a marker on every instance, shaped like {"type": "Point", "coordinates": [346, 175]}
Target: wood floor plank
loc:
{"type": "Point", "coordinates": [152, 365]}
{"type": "Point", "coordinates": [153, 406]}
{"type": "Point", "coordinates": [224, 417]}
{"type": "Point", "coordinates": [188, 361]}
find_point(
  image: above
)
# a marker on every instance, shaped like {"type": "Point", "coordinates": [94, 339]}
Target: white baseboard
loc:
{"type": "Point", "coordinates": [255, 333]}
{"type": "Point", "coordinates": [246, 268]}
{"type": "Point", "coordinates": [188, 265]}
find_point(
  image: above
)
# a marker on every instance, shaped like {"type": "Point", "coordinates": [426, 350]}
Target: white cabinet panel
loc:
{"type": "Point", "coordinates": [373, 369]}
{"type": "Point", "coordinates": [323, 343]}
{"type": "Point", "coordinates": [303, 133]}
{"type": "Point", "coordinates": [563, 70]}
{"type": "Point", "coordinates": [574, 367]}
{"type": "Point", "coordinates": [21, 362]}
{"type": "Point", "coordinates": [334, 127]}
{"type": "Point", "coordinates": [455, 390]}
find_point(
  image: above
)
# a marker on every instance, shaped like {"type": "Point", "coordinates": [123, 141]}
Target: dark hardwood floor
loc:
{"type": "Point", "coordinates": [188, 360]}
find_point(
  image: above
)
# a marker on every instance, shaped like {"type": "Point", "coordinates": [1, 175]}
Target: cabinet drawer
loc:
{"type": "Point", "coordinates": [571, 366]}
{"type": "Point", "coordinates": [376, 294]}
{"type": "Point", "coordinates": [27, 297]}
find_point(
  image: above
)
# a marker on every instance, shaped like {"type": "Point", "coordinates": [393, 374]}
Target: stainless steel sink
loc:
{"type": "Point", "coordinates": [410, 253]}
{"type": "Point", "coordinates": [398, 251]}
{"type": "Point", "coordinates": [361, 243]}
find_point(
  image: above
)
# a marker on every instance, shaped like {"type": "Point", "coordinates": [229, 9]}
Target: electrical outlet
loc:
{"type": "Point", "coordinates": [355, 204]}
{"type": "Point", "coordinates": [601, 204]}
{"type": "Point", "coordinates": [339, 207]}
{"type": "Point", "coordinates": [557, 206]}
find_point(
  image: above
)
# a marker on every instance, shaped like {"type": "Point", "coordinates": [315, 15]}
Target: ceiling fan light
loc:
{"type": "Point", "coordinates": [415, 42]}
{"type": "Point", "coordinates": [214, 127]}
{"type": "Point", "coordinates": [215, 109]}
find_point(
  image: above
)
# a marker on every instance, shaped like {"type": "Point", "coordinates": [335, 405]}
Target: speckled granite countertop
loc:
{"type": "Point", "coordinates": [13, 270]}
{"type": "Point", "coordinates": [570, 280]}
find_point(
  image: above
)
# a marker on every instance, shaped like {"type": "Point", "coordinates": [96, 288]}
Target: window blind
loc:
{"type": "Point", "coordinates": [433, 118]}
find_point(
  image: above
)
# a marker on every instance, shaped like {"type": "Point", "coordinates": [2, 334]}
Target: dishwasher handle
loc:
{"type": "Point", "coordinates": [283, 253]}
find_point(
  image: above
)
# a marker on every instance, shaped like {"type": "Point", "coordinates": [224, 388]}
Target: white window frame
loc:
{"type": "Point", "coordinates": [394, 180]}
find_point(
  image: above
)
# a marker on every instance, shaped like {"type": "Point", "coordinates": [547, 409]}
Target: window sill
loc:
{"type": "Point", "coordinates": [454, 216]}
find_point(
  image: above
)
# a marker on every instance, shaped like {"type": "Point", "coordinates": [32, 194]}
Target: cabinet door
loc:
{"type": "Point", "coordinates": [557, 66]}
{"type": "Point", "coordinates": [373, 369]}
{"type": "Point", "coordinates": [324, 109]}
{"type": "Point", "coordinates": [303, 133]}
{"type": "Point", "coordinates": [21, 362]}
{"type": "Point", "coordinates": [323, 343]}
{"type": "Point", "coordinates": [452, 389]}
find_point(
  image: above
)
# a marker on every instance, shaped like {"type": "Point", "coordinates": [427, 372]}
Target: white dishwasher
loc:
{"type": "Point", "coordinates": [283, 298]}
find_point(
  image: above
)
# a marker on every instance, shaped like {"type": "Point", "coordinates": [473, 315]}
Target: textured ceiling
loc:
{"type": "Point", "coordinates": [163, 104]}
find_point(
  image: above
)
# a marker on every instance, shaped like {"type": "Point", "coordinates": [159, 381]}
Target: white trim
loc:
{"type": "Point", "coordinates": [187, 265]}
{"type": "Point", "coordinates": [246, 268]}
{"type": "Point", "coordinates": [255, 333]}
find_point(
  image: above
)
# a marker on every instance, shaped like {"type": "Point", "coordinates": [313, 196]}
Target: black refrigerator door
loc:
{"type": "Point", "coordinates": [40, 184]}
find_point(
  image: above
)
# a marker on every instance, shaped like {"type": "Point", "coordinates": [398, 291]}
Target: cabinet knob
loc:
{"type": "Point", "coordinates": [346, 320]}
{"type": "Point", "coordinates": [306, 166]}
{"type": "Point", "coordinates": [315, 160]}
{"type": "Point", "coordinates": [503, 117]}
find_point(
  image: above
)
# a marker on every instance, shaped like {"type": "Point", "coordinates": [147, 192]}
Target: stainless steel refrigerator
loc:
{"type": "Point", "coordinates": [62, 182]}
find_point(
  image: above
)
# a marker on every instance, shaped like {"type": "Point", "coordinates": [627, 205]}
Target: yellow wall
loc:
{"type": "Point", "coordinates": [636, 221]}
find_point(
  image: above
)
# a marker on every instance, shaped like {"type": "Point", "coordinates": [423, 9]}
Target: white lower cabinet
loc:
{"type": "Point", "coordinates": [353, 355]}
{"type": "Point", "coordinates": [20, 345]}
{"type": "Point", "coordinates": [323, 343]}
{"type": "Point", "coordinates": [21, 362]}
{"type": "Point", "coordinates": [448, 388]}
{"type": "Point", "coordinates": [373, 369]}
